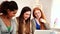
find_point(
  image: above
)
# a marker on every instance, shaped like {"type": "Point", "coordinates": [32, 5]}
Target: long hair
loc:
{"type": "Point", "coordinates": [21, 18]}
{"type": "Point", "coordinates": [42, 16]}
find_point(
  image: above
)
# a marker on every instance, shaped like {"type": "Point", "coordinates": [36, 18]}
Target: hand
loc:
{"type": "Point", "coordinates": [42, 20]}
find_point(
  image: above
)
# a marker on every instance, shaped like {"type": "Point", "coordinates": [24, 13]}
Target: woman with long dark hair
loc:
{"type": "Point", "coordinates": [24, 21]}
{"type": "Point", "coordinates": [8, 9]}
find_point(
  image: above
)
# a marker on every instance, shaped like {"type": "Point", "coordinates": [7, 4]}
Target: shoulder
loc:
{"type": "Point", "coordinates": [33, 19]}
{"type": "Point", "coordinates": [13, 20]}
{"type": "Point", "coordinates": [0, 19]}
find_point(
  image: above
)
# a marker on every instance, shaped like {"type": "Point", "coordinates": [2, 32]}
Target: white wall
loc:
{"type": "Point", "coordinates": [46, 5]}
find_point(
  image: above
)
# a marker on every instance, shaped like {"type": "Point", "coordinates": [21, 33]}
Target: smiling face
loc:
{"type": "Point", "coordinates": [11, 13]}
{"type": "Point", "coordinates": [37, 13]}
{"type": "Point", "coordinates": [26, 15]}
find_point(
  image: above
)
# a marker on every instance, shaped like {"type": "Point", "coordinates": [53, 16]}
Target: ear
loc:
{"type": "Point", "coordinates": [8, 11]}
{"type": "Point", "coordinates": [1, 13]}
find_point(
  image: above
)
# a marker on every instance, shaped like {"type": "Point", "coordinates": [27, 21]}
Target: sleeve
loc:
{"type": "Point", "coordinates": [32, 26]}
{"type": "Point", "coordinates": [14, 27]}
{"type": "Point", "coordinates": [0, 27]}
{"type": "Point", "coordinates": [47, 25]}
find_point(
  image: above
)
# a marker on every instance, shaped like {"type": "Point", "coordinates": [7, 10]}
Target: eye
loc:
{"type": "Point", "coordinates": [27, 14]}
{"type": "Point", "coordinates": [14, 13]}
{"type": "Point", "coordinates": [38, 12]}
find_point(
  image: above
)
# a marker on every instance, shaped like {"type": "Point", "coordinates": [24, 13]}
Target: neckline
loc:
{"type": "Point", "coordinates": [5, 25]}
{"type": "Point", "coordinates": [9, 28]}
{"type": "Point", "coordinates": [37, 21]}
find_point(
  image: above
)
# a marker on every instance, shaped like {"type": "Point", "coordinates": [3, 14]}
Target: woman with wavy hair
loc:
{"type": "Point", "coordinates": [39, 20]}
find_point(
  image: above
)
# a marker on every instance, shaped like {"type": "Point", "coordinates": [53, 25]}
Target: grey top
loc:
{"type": "Point", "coordinates": [4, 30]}
{"type": "Point", "coordinates": [33, 25]}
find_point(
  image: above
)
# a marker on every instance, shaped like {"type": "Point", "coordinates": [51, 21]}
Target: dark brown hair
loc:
{"type": "Point", "coordinates": [21, 18]}
{"type": "Point", "coordinates": [5, 5]}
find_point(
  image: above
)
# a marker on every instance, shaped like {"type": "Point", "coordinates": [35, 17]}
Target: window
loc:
{"type": "Point", "coordinates": [55, 14]}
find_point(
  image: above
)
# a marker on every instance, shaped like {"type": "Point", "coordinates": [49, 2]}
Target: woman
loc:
{"type": "Point", "coordinates": [8, 10]}
{"type": "Point", "coordinates": [24, 21]}
{"type": "Point", "coordinates": [39, 20]}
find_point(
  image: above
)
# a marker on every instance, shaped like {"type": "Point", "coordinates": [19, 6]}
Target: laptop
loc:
{"type": "Point", "coordinates": [44, 32]}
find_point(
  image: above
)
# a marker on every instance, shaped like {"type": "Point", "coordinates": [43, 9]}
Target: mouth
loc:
{"type": "Point", "coordinates": [26, 18]}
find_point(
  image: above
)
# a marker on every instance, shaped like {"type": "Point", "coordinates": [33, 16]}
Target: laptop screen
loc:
{"type": "Point", "coordinates": [44, 32]}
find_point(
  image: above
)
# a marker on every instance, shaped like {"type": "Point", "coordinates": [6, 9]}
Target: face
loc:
{"type": "Point", "coordinates": [37, 14]}
{"type": "Point", "coordinates": [12, 13]}
{"type": "Point", "coordinates": [26, 15]}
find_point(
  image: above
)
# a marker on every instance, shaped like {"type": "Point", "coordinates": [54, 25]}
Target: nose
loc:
{"type": "Point", "coordinates": [13, 15]}
{"type": "Point", "coordinates": [28, 16]}
{"type": "Point", "coordinates": [37, 14]}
